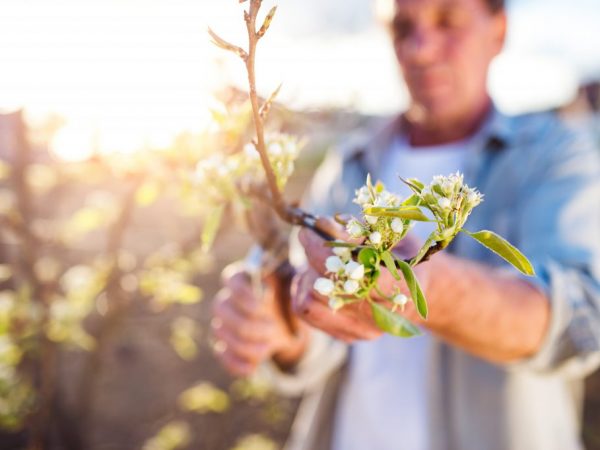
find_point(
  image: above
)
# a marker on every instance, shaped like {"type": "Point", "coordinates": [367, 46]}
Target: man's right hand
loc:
{"type": "Point", "coordinates": [249, 330]}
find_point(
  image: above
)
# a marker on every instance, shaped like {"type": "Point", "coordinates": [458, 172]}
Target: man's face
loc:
{"type": "Point", "coordinates": [444, 48]}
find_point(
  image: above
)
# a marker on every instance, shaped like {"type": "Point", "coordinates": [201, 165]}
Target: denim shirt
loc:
{"type": "Point", "coordinates": [541, 186]}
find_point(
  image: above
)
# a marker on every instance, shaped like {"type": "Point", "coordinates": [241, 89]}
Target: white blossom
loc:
{"type": "Point", "coordinates": [371, 219]}
{"type": "Point", "coordinates": [362, 196]}
{"type": "Point", "coordinates": [397, 226]}
{"type": "Point", "coordinates": [343, 252]}
{"type": "Point", "coordinates": [473, 197]}
{"type": "Point", "coordinates": [351, 286]}
{"type": "Point", "coordinates": [275, 149]}
{"type": "Point", "coordinates": [444, 203]}
{"type": "Point", "coordinates": [400, 299]}
{"type": "Point", "coordinates": [386, 199]}
{"type": "Point", "coordinates": [381, 202]}
{"type": "Point", "coordinates": [334, 264]}
{"type": "Point", "coordinates": [375, 238]}
{"type": "Point", "coordinates": [354, 228]}
{"type": "Point", "coordinates": [354, 270]}
{"type": "Point", "coordinates": [323, 286]}
{"type": "Point", "coordinates": [290, 149]}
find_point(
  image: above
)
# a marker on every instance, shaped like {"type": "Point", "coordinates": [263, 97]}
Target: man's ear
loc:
{"type": "Point", "coordinates": [499, 26]}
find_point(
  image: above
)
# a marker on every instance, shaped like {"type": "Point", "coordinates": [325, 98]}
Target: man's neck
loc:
{"type": "Point", "coordinates": [424, 131]}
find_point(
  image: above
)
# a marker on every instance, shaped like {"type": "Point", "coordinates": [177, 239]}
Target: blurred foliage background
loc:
{"type": "Point", "coordinates": [106, 288]}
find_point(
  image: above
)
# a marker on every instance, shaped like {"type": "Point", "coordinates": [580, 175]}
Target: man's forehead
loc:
{"type": "Point", "coordinates": [411, 5]}
{"type": "Point", "coordinates": [387, 10]}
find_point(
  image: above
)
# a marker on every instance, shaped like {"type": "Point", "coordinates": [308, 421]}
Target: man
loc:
{"type": "Point", "coordinates": [502, 359]}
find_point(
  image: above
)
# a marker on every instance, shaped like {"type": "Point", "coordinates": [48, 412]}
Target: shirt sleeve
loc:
{"type": "Point", "coordinates": [324, 356]}
{"type": "Point", "coordinates": [559, 229]}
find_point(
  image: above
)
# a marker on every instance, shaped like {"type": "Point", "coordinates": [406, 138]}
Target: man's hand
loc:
{"type": "Point", "coordinates": [351, 323]}
{"type": "Point", "coordinates": [249, 330]}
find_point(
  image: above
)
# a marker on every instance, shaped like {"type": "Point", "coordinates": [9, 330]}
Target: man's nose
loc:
{"type": "Point", "coordinates": [421, 46]}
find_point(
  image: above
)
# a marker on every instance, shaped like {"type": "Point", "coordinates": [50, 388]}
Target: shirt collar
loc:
{"type": "Point", "coordinates": [493, 136]}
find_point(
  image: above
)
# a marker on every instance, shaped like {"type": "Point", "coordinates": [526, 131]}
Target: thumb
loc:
{"type": "Point", "coordinates": [333, 228]}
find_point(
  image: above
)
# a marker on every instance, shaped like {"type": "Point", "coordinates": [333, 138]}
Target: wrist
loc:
{"type": "Point", "coordinates": [288, 356]}
{"type": "Point", "coordinates": [437, 278]}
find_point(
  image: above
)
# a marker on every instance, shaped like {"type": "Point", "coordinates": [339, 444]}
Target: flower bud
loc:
{"type": "Point", "coordinates": [444, 203]}
{"type": "Point", "coordinates": [400, 299]}
{"type": "Point", "coordinates": [323, 286]}
{"type": "Point", "coordinates": [355, 270]}
{"type": "Point", "coordinates": [275, 149]}
{"type": "Point", "coordinates": [354, 228]}
{"type": "Point", "coordinates": [371, 219]}
{"type": "Point", "coordinates": [362, 196]}
{"type": "Point", "coordinates": [381, 202]}
{"type": "Point", "coordinates": [334, 264]}
{"type": "Point", "coordinates": [351, 286]}
{"type": "Point", "coordinates": [375, 238]}
{"type": "Point", "coordinates": [343, 252]}
{"type": "Point", "coordinates": [473, 198]}
{"type": "Point", "coordinates": [397, 226]}
{"type": "Point", "coordinates": [291, 149]}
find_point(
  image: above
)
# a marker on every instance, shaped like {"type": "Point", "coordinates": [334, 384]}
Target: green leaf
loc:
{"type": "Point", "coordinates": [393, 323]}
{"type": "Point", "coordinates": [211, 226]}
{"type": "Point", "coordinates": [413, 200]}
{"type": "Point", "coordinates": [415, 289]}
{"type": "Point", "coordinates": [405, 212]}
{"type": "Point", "coordinates": [388, 260]}
{"type": "Point", "coordinates": [504, 249]}
{"type": "Point", "coordinates": [414, 184]}
{"type": "Point", "coordinates": [367, 257]}
{"type": "Point", "coordinates": [267, 23]}
{"type": "Point", "coordinates": [438, 190]}
{"type": "Point", "coordinates": [422, 252]}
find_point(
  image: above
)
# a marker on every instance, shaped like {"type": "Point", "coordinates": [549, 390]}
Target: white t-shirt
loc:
{"type": "Point", "coordinates": [383, 403]}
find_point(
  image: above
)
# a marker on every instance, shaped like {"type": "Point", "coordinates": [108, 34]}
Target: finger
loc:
{"type": "Point", "coordinates": [232, 270]}
{"type": "Point", "coordinates": [314, 309]}
{"type": "Point", "coordinates": [246, 297]}
{"type": "Point", "coordinates": [246, 328]}
{"type": "Point", "coordinates": [303, 284]}
{"type": "Point", "coordinates": [235, 365]}
{"type": "Point", "coordinates": [250, 352]}
{"type": "Point", "coordinates": [242, 298]}
{"type": "Point", "coordinates": [339, 323]}
{"type": "Point", "coordinates": [331, 227]}
{"type": "Point", "coordinates": [316, 250]}
{"type": "Point", "coordinates": [336, 229]}
{"type": "Point", "coordinates": [248, 305]}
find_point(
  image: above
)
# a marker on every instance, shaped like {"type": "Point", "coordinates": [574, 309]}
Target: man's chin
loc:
{"type": "Point", "coordinates": [432, 111]}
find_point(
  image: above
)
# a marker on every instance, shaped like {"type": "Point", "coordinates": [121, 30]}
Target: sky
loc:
{"type": "Point", "coordinates": [132, 73]}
